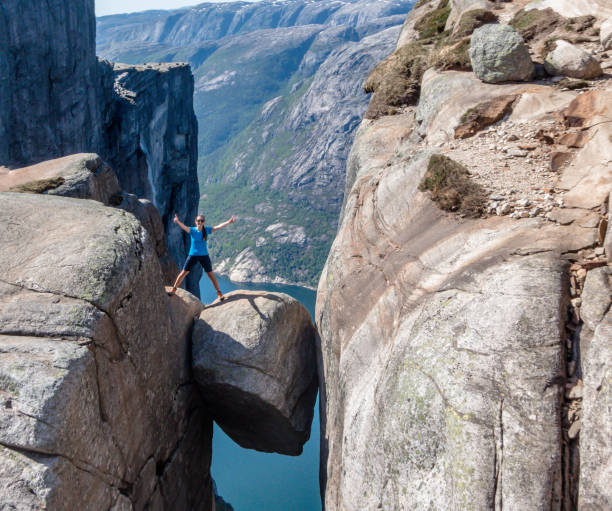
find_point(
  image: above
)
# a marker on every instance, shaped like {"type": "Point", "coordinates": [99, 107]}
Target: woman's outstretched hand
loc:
{"type": "Point", "coordinates": [232, 220]}
{"type": "Point", "coordinates": [176, 220]}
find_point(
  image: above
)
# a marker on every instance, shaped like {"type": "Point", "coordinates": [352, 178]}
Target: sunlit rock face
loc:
{"type": "Point", "coordinates": [447, 341]}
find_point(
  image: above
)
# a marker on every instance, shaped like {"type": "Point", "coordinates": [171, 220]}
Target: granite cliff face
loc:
{"type": "Point", "coordinates": [99, 408]}
{"type": "Point", "coordinates": [468, 277]}
{"type": "Point", "coordinates": [104, 404]}
{"type": "Point", "coordinates": [278, 98]}
{"type": "Point", "coordinates": [48, 79]}
{"type": "Point", "coordinates": [58, 99]}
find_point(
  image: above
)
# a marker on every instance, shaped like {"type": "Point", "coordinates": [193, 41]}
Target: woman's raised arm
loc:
{"type": "Point", "coordinates": [180, 224]}
{"type": "Point", "coordinates": [224, 224]}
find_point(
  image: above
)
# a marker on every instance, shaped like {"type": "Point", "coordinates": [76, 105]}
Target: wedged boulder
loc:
{"type": "Point", "coordinates": [570, 60]}
{"type": "Point", "coordinates": [97, 406]}
{"type": "Point", "coordinates": [499, 54]}
{"type": "Point", "coordinates": [254, 361]}
{"type": "Point", "coordinates": [82, 176]}
{"type": "Point", "coordinates": [605, 34]}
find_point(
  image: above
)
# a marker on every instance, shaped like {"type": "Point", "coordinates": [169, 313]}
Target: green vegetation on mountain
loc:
{"type": "Point", "coordinates": [278, 98]}
{"type": "Point", "coordinates": [256, 209]}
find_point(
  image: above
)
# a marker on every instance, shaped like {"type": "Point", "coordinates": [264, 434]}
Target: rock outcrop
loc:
{"type": "Point", "coordinates": [81, 176]}
{"type": "Point", "coordinates": [56, 99]}
{"type": "Point", "coordinates": [99, 409]}
{"type": "Point", "coordinates": [569, 60]}
{"type": "Point", "coordinates": [448, 343]}
{"type": "Point", "coordinates": [254, 361]}
{"type": "Point", "coordinates": [86, 176]}
{"type": "Point", "coordinates": [605, 34]}
{"type": "Point", "coordinates": [596, 354]}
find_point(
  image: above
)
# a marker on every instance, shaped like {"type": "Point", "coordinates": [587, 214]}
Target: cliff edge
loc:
{"type": "Point", "coordinates": [450, 304]}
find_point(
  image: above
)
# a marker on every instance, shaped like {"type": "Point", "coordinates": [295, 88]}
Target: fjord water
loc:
{"type": "Point", "coordinates": [255, 481]}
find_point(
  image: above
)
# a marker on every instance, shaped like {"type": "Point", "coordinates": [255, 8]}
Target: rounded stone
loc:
{"type": "Point", "coordinates": [499, 54]}
{"type": "Point", "coordinates": [570, 60]}
{"type": "Point", "coordinates": [254, 361]}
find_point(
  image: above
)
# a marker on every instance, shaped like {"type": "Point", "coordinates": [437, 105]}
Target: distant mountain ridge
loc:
{"type": "Point", "coordinates": [213, 21]}
{"type": "Point", "coordinates": [278, 98]}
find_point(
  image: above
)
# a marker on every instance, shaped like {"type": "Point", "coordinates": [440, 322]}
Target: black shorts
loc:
{"type": "Point", "coordinates": [192, 260]}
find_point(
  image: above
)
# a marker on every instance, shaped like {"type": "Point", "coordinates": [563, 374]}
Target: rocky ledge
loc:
{"type": "Point", "coordinates": [57, 99]}
{"type": "Point", "coordinates": [98, 405]}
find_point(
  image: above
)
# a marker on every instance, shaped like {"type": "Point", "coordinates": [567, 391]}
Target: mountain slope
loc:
{"type": "Point", "coordinates": [278, 98]}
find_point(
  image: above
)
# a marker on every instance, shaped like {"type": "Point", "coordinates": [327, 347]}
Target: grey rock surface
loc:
{"type": "Point", "coordinates": [608, 235]}
{"type": "Point", "coordinates": [442, 337]}
{"type": "Point", "coordinates": [499, 54]}
{"type": "Point", "coordinates": [99, 410]}
{"type": "Point", "coordinates": [48, 80]}
{"type": "Point", "coordinates": [254, 361]}
{"type": "Point", "coordinates": [86, 176]}
{"type": "Point", "coordinates": [430, 401]}
{"type": "Point", "coordinates": [570, 60]}
{"type": "Point", "coordinates": [596, 354]}
{"type": "Point", "coordinates": [596, 297]}
{"type": "Point", "coordinates": [81, 176]}
{"type": "Point", "coordinates": [57, 99]}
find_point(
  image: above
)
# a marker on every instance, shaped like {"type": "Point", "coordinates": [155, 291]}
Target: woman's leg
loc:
{"type": "Point", "coordinates": [213, 279]}
{"type": "Point", "coordinates": [179, 281]}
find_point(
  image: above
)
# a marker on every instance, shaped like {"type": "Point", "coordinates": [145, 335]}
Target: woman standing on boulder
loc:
{"type": "Point", "coordinates": [198, 253]}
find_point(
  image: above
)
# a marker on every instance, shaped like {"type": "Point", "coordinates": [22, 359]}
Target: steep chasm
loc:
{"type": "Point", "coordinates": [150, 141]}
{"type": "Point", "coordinates": [58, 99]}
{"type": "Point", "coordinates": [464, 305]}
{"type": "Point", "coordinates": [278, 99]}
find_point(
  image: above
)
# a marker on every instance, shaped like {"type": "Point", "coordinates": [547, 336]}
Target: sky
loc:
{"type": "Point", "coordinates": [105, 7]}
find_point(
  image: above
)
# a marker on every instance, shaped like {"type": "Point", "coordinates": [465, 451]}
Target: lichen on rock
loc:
{"type": "Point", "coordinates": [499, 54]}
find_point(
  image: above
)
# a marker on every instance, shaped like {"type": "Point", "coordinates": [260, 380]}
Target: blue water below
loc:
{"type": "Point", "coordinates": [255, 481]}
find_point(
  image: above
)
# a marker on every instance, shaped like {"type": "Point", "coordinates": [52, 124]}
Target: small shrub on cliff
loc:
{"type": "Point", "coordinates": [451, 187]}
{"type": "Point", "coordinates": [536, 23]}
{"type": "Point", "coordinates": [452, 56]}
{"type": "Point", "coordinates": [472, 20]}
{"type": "Point", "coordinates": [432, 24]}
{"type": "Point", "coordinates": [396, 80]}
{"type": "Point", "coordinates": [420, 4]}
{"type": "Point", "coordinates": [40, 186]}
